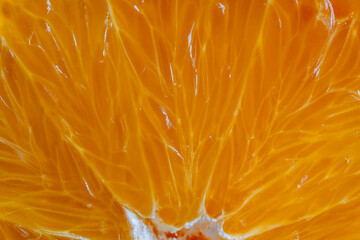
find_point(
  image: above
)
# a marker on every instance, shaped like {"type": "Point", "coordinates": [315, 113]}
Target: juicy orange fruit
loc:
{"type": "Point", "coordinates": [145, 119]}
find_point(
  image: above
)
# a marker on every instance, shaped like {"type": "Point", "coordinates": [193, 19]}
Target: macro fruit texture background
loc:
{"type": "Point", "coordinates": [156, 119]}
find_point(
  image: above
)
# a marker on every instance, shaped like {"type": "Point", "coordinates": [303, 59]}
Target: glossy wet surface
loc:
{"type": "Point", "coordinates": [243, 116]}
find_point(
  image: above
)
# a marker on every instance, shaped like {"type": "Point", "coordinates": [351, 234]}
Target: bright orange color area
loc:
{"type": "Point", "coordinates": [246, 111]}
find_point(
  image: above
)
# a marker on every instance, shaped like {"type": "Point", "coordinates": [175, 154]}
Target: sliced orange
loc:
{"type": "Point", "coordinates": [145, 119]}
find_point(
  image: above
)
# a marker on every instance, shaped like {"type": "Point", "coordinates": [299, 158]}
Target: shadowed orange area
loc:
{"type": "Point", "coordinates": [137, 119]}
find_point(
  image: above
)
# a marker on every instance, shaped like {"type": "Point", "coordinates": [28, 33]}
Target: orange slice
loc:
{"type": "Point", "coordinates": [140, 119]}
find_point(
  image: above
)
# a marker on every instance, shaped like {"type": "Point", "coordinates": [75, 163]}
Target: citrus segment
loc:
{"type": "Point", "coordinates": [179, 119]}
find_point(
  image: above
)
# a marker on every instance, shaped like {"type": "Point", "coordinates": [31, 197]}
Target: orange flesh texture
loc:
{"type": "Point", "coordinates": [247, 111]}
